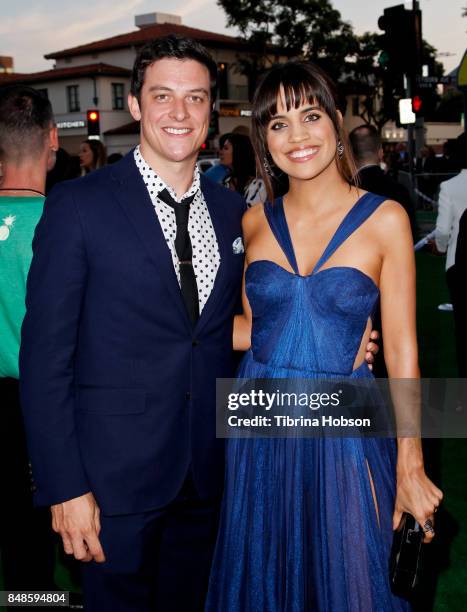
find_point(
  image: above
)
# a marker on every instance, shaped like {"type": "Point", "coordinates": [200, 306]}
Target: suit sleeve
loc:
{"type": "Point", "coordinates": [55, 290]}
{"type": "Point", "coordinates": [444, 220]}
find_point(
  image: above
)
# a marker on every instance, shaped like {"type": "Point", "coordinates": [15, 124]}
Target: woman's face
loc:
{"type": "Point", "coordinates": [226, 154]}
{"type": "Point", "coordinates": [85, 156]}
{"type": "Point", "coordinates": [302, 141]}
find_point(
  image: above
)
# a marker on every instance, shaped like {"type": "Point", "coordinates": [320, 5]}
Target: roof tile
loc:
{"type": "Point", "coordinates": [143, 35]}
{"type": "Point", "coordinates": [58, 74]}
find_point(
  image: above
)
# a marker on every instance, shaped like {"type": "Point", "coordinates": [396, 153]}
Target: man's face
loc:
{"type": "Point", "coordinates": [174, 110]}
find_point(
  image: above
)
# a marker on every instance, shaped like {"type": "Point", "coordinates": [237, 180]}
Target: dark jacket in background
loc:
{"type": "Point", "coordinates": [373, 179]}
{"type": "Point", "coordinates": [461, 314]}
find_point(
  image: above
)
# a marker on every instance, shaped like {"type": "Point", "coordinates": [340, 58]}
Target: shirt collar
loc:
{"type": "Point", "coordinates": [145, 168]}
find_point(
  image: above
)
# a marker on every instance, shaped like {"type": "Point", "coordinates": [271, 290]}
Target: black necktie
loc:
{"type": "Point", "coordinates": [183, 249]}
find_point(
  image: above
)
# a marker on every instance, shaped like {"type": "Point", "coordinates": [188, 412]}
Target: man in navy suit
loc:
{"type": "Point", "coordinates": [121, 349]}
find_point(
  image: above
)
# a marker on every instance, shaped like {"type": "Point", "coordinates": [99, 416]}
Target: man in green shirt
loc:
{"type": "Point", "coordinates": [28, 141]}
{"type": "Point", "coordinates": [19, 215]}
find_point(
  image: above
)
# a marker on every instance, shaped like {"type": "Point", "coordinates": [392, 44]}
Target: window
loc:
{"type": "Point", "coordinates": [356, 106]}
{"type": "Point", "coordinates": [72, 93]}
{"type": "Point", "coordinates": [118, 96]}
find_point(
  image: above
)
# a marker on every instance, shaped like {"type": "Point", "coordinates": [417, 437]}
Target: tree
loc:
{"type": "Point", "coordinates": [308, 28]}
{"type": "Point", "coordinates": [314, 30]}
{"type": "Point", "coordinates": [369, 80]}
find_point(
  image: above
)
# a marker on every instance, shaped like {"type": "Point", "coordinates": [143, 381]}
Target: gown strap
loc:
{"type": "Point", "coordinates": [356, 216]}
{"type": "Point", "coordinates": [277, 222]}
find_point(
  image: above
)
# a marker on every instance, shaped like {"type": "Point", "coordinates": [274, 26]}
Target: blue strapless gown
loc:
{"type": "Point", "coordinates": [299, 529]}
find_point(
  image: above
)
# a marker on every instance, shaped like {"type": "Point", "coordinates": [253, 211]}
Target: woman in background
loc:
{"type": "Point", "coordinates": [237, 154]}
{"type": "Point", "coordinates": [91, 155]}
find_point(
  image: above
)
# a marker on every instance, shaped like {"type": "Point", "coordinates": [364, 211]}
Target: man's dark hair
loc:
{"type": "Point", "coordinates": [25, 118]}
{"type": "Point", "coordinates": [171, 47]}
{"type": "Point", "coordinates": [365, 141]}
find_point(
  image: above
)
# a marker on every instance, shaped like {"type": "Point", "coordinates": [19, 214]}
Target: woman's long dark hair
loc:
{"type": "Point", "coordinates": [302, 82]}
{"type": "Point", "coordinates": [243, 160]}
{"type": "Point", "coordinates": [99, 157]}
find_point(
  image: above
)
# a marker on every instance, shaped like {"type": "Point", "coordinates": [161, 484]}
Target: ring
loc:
{"type": "Point", "coordinates": [428, 526]}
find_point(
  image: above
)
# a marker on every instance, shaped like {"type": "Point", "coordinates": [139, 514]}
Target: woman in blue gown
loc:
{"type": "Point", "coordinates": [307, 524]}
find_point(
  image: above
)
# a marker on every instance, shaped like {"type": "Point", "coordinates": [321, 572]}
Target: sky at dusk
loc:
{"type": "Point", "coordinates": [29, 29]}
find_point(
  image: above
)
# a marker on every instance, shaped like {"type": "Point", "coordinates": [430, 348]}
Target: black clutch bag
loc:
{"type": "Point", "coordinates": [405, 559]}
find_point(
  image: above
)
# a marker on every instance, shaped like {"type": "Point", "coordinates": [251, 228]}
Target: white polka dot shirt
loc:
{"type": "Point", "coordinates": [205, 250]}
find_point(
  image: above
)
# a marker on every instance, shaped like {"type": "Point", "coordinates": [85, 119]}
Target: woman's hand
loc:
{"type": "Point", "coordinates": [418, 496]}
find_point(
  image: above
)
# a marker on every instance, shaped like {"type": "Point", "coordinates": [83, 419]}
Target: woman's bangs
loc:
{"type": "Point", "coordinates": [296, 89]}
{"type": "Point", "coordinates": [299, 94]}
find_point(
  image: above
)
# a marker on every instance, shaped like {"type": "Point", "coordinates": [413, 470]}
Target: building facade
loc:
{"type": "Point", "coordinates": [96, 76]}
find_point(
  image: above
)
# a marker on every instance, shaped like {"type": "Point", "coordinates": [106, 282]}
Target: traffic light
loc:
{"type": "Point", "coordinates": [93, 120]}
{"type": "Point", "coordinates": [402, 40]}
{"type": "Point", "coordinates": [417, 105]}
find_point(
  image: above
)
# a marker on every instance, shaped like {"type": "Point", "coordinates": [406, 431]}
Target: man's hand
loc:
{"type": "Point", "coordinates": [372, 349]}
{"type": "Point", "coordinates": [77, 521]}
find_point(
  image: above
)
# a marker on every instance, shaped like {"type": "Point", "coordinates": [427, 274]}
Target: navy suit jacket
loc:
{"type": "Point", "coordinates": [118, 389]}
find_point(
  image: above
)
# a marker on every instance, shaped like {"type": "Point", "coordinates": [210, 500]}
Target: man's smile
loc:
{"type": "Point", "coordinates": [173, 131]}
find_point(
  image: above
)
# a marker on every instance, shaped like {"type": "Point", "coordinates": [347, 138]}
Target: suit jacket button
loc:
{"type": "Point", "coordinates": [195, 342]}
{"type": "Point", "coordinates": [188, 395]}
{"type": "Point", "coordinates": [33, 488]}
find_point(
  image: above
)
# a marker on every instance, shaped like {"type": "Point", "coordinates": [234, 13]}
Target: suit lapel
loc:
{"type": "Point", "coordinates": [131, 193]}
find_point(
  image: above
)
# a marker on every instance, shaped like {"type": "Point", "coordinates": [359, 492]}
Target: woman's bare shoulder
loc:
{"type": "Point", "coordinates": [391, 223]}
{"type": "Point", "coordinates": [392, 213]}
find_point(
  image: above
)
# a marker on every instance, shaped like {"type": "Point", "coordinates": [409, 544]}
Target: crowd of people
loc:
{"type": "Point", "coordinates": [144, 275]}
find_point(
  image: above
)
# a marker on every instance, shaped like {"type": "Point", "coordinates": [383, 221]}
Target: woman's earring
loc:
{"type": "Point", "coordinates": [340, 149]}
{"type": "Point", "coordinates": [267, 166]}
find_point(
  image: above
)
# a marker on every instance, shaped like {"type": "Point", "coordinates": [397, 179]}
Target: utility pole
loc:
{"type": "Point", "coordinates": [410, 92]}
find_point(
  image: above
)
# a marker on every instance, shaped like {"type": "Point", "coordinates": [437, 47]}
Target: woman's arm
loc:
{"type": "Point", "coordinates": [416, 493]}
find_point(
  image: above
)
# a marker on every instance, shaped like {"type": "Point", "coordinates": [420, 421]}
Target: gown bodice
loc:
{"type": "Point", "coordinates": [325, 313]}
